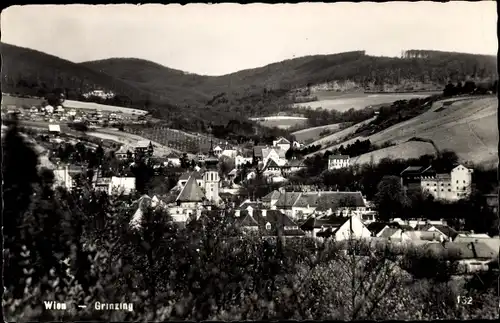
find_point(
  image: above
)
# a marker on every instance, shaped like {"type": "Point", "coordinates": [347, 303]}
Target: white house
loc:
{"type": "Point", "coordinates": [121, 185]}
{"type": "Point", "coordinates": [338, 161]}
{"type": "Point", "coordinates": [276, 154]}
{"type": "Point", "coordinates": [282, 143]}
{"type": "Point", "coordinates": [239, 161]}
{"type": "Point", "coordinates": [54, 128]}
{"type": "Point", "coordinates": [63, 178]}
{"type": "Point", "coordinates": [218, 151]}
{"type": "Point", "coordinates": [173, 159]}
{"type": "Point", "coordinates": [49, 109]}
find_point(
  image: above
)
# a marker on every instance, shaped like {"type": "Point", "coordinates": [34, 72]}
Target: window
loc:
{"type": "Point", "coordinates": [442, 184]}
{"type": "Point", "coordinates": [434, 190]}
{"type": "Point", "coordinates": [291, 227]}
{"type": "Point", "coordinates": [442, 190]}
{"type": "Point", "coordinates": [449, 190]}
{"type": "Point", "coordinates": [449, 184]}
{"type": "Point", "coordinates": [427, 184]}
{"type": "Point", "coordinates": [435, 184]}
{"type": "Point", "coordinates": [268, 226]}
{"type": "Point", "coordinates": [464, 182]}
{"type": "Point", "coordinates": [457, 181]}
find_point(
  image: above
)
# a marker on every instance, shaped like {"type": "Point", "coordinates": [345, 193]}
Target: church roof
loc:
{"type": "Point", "coordinates": [191, 192]}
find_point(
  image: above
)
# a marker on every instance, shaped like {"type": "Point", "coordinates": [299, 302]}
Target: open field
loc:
{"type": "Point", "coordinates": [358, 101]}
{"type": "Point", "coordinates": [131, 140]}
{"type": "Point", "coordinates": [468, 127]}
{"type": "Point", "coordinates": [12, 101]}
{"type": "Point", "coordinates": [314, 132]}
{"type": "Point", "coordinates": [101, 107]}
{"type": "Point", "coordinates": [282, 122]}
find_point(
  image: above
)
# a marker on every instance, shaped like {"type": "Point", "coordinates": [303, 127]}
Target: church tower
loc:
{"type": "Point", "coordinates": [211, 177]}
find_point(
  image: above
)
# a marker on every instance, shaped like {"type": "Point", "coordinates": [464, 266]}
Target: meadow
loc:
{"type": "Point", "coordinates": [11, 101]}
{"type": "Point", "coordinates": [281, 122]}
{"type": "Point", "coordinates": [357, 101]}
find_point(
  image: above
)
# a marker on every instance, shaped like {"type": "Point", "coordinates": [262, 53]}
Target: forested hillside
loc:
{"type": "Point", "coordinates": [193, 102]}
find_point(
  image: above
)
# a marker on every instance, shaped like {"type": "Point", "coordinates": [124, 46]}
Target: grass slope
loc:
{"type": "Point", "coordinates": [469, 127]}
{"type": "Point", "coordinates": [312, 134]}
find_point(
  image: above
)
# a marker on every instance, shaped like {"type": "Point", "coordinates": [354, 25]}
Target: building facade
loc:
{"type": "Point", "coordinates": [451, 187]}
{"type": "Point", "coordinates": [338, 161]}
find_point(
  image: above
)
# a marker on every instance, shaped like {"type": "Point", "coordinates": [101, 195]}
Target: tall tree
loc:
{"type": "Point", "coordinates": [390, 200]}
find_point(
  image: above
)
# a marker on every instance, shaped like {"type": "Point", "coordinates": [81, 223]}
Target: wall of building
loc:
{"type": "Point", "coordinates": [338, 163]}
{"type": "Point", "coordinates": [461, 181]}
{"type": "Point", "coordinates": [359, 230]}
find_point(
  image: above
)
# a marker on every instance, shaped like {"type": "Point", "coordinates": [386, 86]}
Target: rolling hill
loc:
{"type": "Point", "coordinates": [193, 102]}
{"type": "Point", "coordinates": [419, 66]}
{"type": "Point", "coordinates": [468, 127]}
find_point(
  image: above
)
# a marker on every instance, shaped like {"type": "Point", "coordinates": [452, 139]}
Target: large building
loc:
{"type": "Point", "coordinates": [453, 186]}
{"type": "Point", "coordinates": [299, 205]}
{"type": "Point", "coordinates": [338, 161]}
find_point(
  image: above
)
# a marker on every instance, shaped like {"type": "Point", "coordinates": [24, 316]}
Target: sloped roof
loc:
{"type": "Point", "coordinates": [274, 195]}
{"type": "Point", "coordinates": [376, 227]}
{"type": "Point", "coordinates": [254, 205]}
{"type": "Point", "coordinates": [388, 232]}
{"type": "Point", "coordinates": [492, 243]}
{"type": "Point", "coordinates": [272, 163]}
{"type": "Point", "coordinates": [443, 176]}
{"type": "Point", "coordinates": [282, 140]}
{"type": "Point", "coordinates": [412, 170]}
{"type": "Point", "coordinates": [330, 222]}
{"type": "Point", "coordinates": [172, 154]}
{"type": "Point", "coordinates": [245, 220]}
{"type": "Point", "coordinates": [191, 192]}
{"type": "Point", "coordinates": [331, 157]}
{"type": "Point", "coordinates": [287, 199]}
{"type": "Point", "coordinates": [450, 232]}
{"type": "Point", "coordinates": [467, 250]}
{"type": "Point", "coordinates": [334, 200]}
{"type": "Point", "coordinates": [423, 235]}
{"type": "Point", "coordinates": [295, 163]}
{"type": "Point", "coordinates": [257, 150]}
{"type": "Point", "coordinates": [187, 175]}
{"type": "Point", "coordinates": [277, 220]}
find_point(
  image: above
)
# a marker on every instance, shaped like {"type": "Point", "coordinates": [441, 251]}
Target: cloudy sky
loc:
{"type": "Point", "coordinates": [220, 39]}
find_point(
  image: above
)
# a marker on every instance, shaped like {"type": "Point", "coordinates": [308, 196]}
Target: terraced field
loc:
{"type": "Point", "coordinates": [313, 133]}
{"type": "Point", "coordinates": [338, 137]}
{"type": "Point", "coordinates": [468, 127]}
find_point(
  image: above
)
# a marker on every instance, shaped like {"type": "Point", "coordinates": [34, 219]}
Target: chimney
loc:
{"type": "Point", "coordinates": [264, 213]}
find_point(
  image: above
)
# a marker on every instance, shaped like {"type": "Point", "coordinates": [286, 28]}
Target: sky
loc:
{"type": "Point", "coordinates": [224, 38]}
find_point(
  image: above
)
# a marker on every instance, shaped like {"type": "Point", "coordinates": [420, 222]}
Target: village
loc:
{"type": "Point", "coordinates": [215, 179]}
